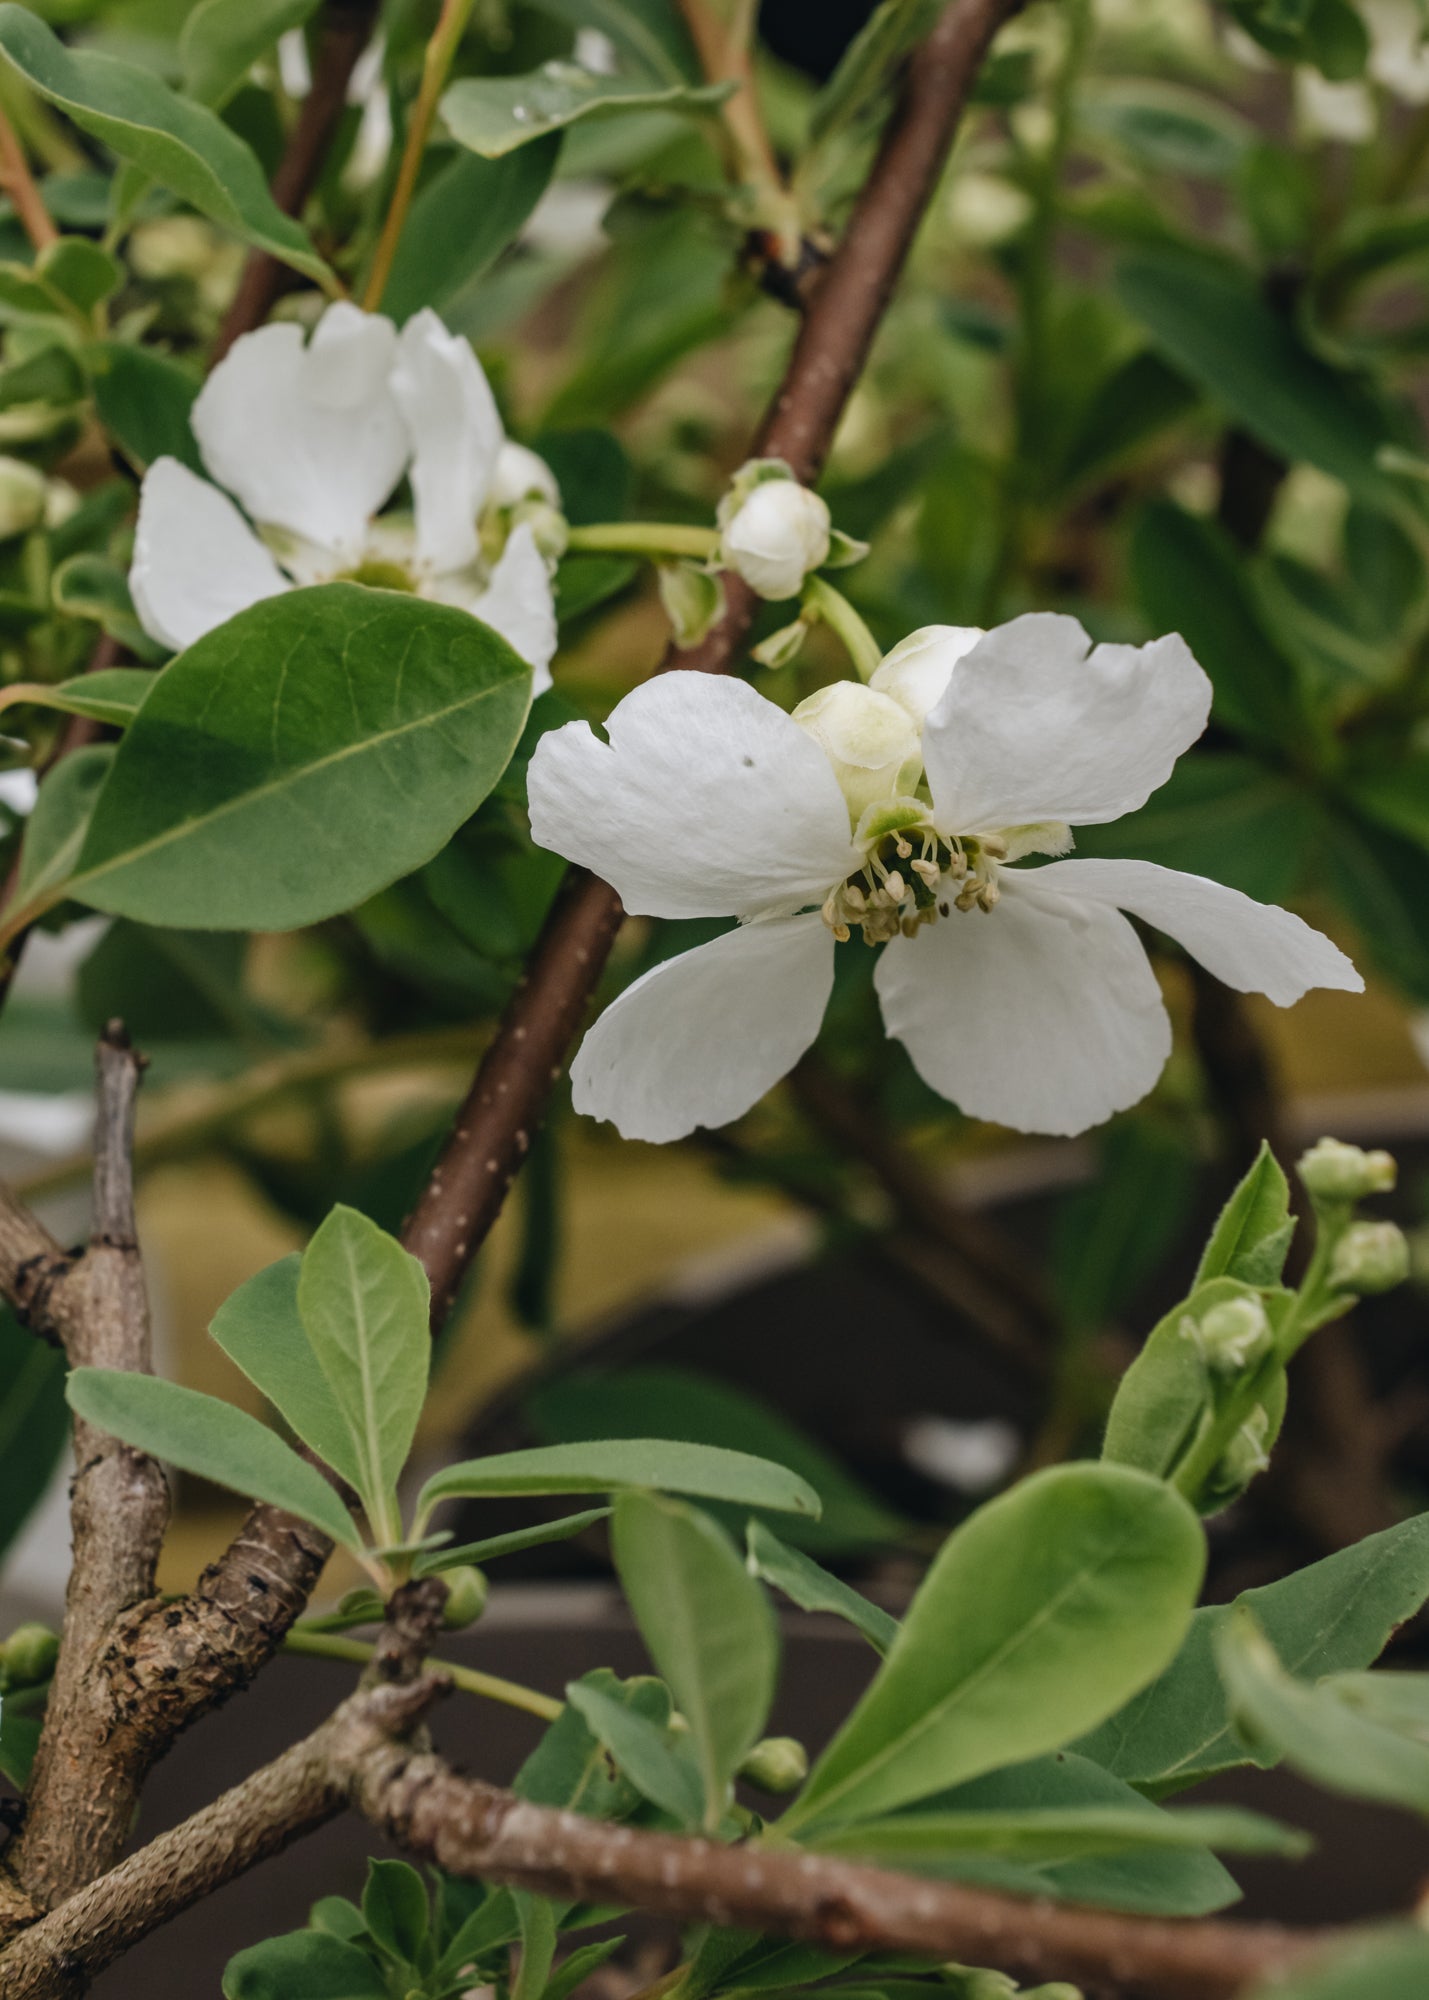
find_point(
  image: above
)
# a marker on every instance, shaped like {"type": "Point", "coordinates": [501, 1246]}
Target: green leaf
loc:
{"type": "Point", "coordinates": [493, 115]}
{"type": "Point", "coordinates": [462, 220]}
{"type": "Point", "coordinates": [1164, 128]}
{"type": "Point", "coordinates": [366, 1308]}
{"type": "Point", "coordinates": [1040, 1609]}
{"type": "Point", "coordinates": [1383, 882]}
{"type": "Point", "coordinates": [1132, 405]}
{"type": "Point", "coordinates": [1190, 578]}
{"type": "Point", "coordinates": [260, 1328]}
{"type": "Point", "coordinates": [1397, 797]}
{"type": "Point", "coordinates": [311, 1964]}
{"type": "Point", "coordinates": [200, 1434]}
{"type": "Point", "coordinates": [579, 1966]}
{"type": "Point", "coordinates": [1390, 1965]}
{"type": "Point", "coordinates": [394, 1909]}
{"type": "Point", "coordinates": [19, 1741]}
{"type": "Point", "coordinates": [649, 33]}
{"type": "Point", "coordinates": [183, 146]}
{"type": "Point", "coordinates": [219, 43]}
{"type": "Point", "coordinates": [1209, 319]}
{"type": "Point", "coordinates": [811, 1587]}
{"type": "Point", "coordinates": [144, 401]}
{"type": "Point", "coordinates": [1050, 1833]}
{"type": "Point", "coordinates": [684, 1403]}
{"type": "Point", "coordinates": [1163, 1394]}
{"type": "Point", "coordinates": [313, 749]}
{"type": "Point", "coordinates": [1331, 1617]}
{"type": "Point", "coordinates": [509, 1545]}
{"type": "Point", "coordinates": [1314, 1728]}
{"type": "Point", "coordinates": [56, 829]}
{"type": "Point", "coordinates": [1252, 1235]}
{"type": "Point", "coordinates": [869, 64]}
{"type": "Point", "coordinates": [537, 1918]}
{"type": "Point", "coordinates": [614, 1465]}
{"type": "Point", "coordinates": [490, 1926]}
{"type": "Point", "coordinates": [111, 695]}
{"type": "Point", "coordinates": [81, 272]}
{"type": "Point", "coordinates": [1116, 1230]}
{"type": "Point", "coordinates": [708, 1627]}
{"type": "Point", "coordinates": [660, 1764]}
{"type": "Point", "coordinates": [34, 1422]}
{"type": "Point", "coordinates": [569, 1767]}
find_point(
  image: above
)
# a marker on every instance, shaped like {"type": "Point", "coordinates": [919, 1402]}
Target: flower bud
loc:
{"type": "Point", "coordinates": [693, 600]}
{"type": "Point", "coordinates": [871, 742]}
{"type": "Point", "coordinates": [773, 531]}
{"type": "Point", "coordinates": [782, 647]}
{"type": "Point", "coordinates": [976, 1982]}
{"type": "Point", "coordinates": [521, 474]}
{"type": "Point", "coordinates": [547, 524]}
{"type": "Point", "coordinates": [918, 669]}
{"type": "Point", "coordinates": [28, 1655]}
{"type": "Point", "coordinates": [1234, 1335]}
{"type": "Point", "coordinates": [22, 497]}
{"type": "Point", "coordinates": [778, 1764]}
{"type": "Point", "coordinates": [467, 1590]}
{"type": "Point", "coordinates": [1370, 1257]}
{"type": "Point", "coordinates": [1336, 1172]}
{"type": "Point", "coordinates": [1244, 1458]}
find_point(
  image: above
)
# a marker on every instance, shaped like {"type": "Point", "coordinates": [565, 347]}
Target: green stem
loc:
{"type": "Point", "coordinates": [491, 1687]}
{"type": "Point", "coordinates": [836, 611]}
{"type": "Point", "coordinates": [436, 67]}
{"type": "Point", "coordinates": [644, 538]}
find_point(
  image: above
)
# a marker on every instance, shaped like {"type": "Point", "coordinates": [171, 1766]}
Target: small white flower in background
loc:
{"type": "Point", "coordinates": [1022, 995]}
{"type": "Point", "coordinates": [312, 438]}
{"type": "Point", "coordinates": [773, 531]}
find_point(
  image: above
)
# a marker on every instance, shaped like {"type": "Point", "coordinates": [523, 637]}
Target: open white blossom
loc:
{"type": "Point", "coordinates": [312, 438]}
{"type": "Point", "coordinates": [1021, 994]}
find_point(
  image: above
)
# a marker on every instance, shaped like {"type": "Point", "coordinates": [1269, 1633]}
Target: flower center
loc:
{"type": "Point", "coordinates": [378, 575]}
{"type": "Point", "coordinates": [913, 876]}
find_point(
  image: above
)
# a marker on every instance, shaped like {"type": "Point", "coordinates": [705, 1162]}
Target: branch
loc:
{"type": "Point", "coordinates": [19, 183]}
{"type": "Point", "coordinates": [82, 1795]}
{"type": "Point", "coordinates": [346, 30]}
{"type": "Point", "coordinates": [493, 1127]}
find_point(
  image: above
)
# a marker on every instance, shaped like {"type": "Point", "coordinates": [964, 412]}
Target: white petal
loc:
{"type": "Point", "coordinates": [1042, 1014]}
{"type": "Point", "coordinates": [700, 1038]}
{"type": "Point", "coordinates": [1033, 726]}
{"type": "Point", "coordinates": [1254, 947]}
{"type": "Point", "coordinates": [917, 671]}
{"type": "Point", "coordinates": [196, 560]}
{"type": "Point", "coordinates": [519, 603]}
{"type": "Point", "coordinates": [309, 439]}
{"type": "Point", "coordinates": [455, 429]}
{"type": "Point", "coordinates": [708, 801]}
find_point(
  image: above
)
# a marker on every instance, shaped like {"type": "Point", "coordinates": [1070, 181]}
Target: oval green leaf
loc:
{"type": "Point", "coordinates": [297, 760]}
{"type": "Point", "coordinates": [1078, 1583]}
{"type": "Point", "coordinates": [615, 1465]}
{"type": "Point", "coordinates": [494, 115]}
{"type": "Point", "coordinates": [181, 145]}
{"type": "Point", "coordinates": [202, 1435]}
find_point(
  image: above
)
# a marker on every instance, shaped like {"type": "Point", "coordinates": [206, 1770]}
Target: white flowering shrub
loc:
{"type": "Point", "coordinates": [419, 655]}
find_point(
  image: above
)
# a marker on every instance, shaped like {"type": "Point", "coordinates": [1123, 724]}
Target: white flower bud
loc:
{"type": "Point", "coordinates": [773, 531]}
{"type": "Point", "coordinates": [1370, 1257]}
{"type": "Point", "coordinates": [1337, 1172]}
{"type": "Point", "coordinates": [871, 742]}
{"type": "Point", "coordinates": [919, 667]}
{"type": "Point", "coordinates": [521, 474]}
{"type": "Point", "coordinates": [693, 600]}
{"type": "Point", "coordinates": [1234, 1335]}
{"type": "Point", "coordinates": [22, 497]}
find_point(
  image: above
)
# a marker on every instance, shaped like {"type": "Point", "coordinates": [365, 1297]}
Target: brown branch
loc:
{"type": "Point", "coordinates": [346, 30]}
{"type": "Point", "coordinates": [19, 183]}
{"type": "Point", "coordinates": [82, 1794]}
{"type": "Point", "coordinates": [493, 1127]}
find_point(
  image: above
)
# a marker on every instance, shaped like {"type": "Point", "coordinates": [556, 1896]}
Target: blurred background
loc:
{"type": "Point", "coordinates": [1159, 362]}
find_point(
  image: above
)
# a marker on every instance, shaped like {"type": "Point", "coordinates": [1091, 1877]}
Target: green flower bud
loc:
{"type": "Point", "coordinates": [977, 1982]}
{"type": "Point", "coordinates": [1244, 1459]}
{"type": "Point", "coordinates": [1233, 1336]}
{"type": "Point", "coordinates": [29, 1654]}
{"type": "Point", "coordinates": [778, 1764]}
{"type": "Point", "coordinates": [1334, 1171]}
{"type": "Point", "coordinates": [467, 1591]}
{"type": "Point", "coordinates": [1370, 1257]}
{"type": "Point", "coordinates": [693, 599]}
{"type": "Point", "coordinates": [1058, 1990]}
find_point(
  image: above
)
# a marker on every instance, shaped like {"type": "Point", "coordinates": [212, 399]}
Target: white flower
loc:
{"type": "Point", "coordinates": [773, 531]}
{"type": "Point", "coordinates": [1023, 995]}
{"type": "Point", "coordinates": [312, 439]}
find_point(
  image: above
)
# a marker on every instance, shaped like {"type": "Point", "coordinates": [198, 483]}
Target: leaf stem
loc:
{"type": "Point", "coordinates": [436, 67]}
{"type": "Point", "coordinates": [19, 183]}
{"type": "Point", "coordinates": [724, 47]}
{"type": "Point", "coordinates": [644, 538]}
{"type": "Point", "coordinates": [836, 611]}
{"type": "Point", "coordinates": [491, 1687]}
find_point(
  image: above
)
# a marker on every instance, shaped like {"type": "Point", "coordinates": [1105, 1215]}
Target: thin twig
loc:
{"type": "Point", "coordinates": [82, 1794]}
{"type": "Point", "coordinates": [436, 67]}
{"type": "Point", "coordinates": [346, 30]}
{"type": "Point", "coordinates": [19, 183]}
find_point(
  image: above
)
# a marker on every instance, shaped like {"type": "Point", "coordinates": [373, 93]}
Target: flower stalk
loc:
{"type": "Point", "coordinates": [436, 67]}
